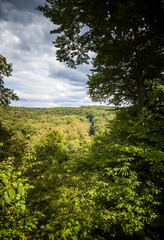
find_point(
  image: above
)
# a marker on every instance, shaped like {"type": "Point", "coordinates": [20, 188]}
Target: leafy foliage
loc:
{"type": "Point", "coordinates": [6, 94]}
{"type": "Point", "coordinates": [15, 219]}
{"type": "Point", "coordinates": [131, 169]}
{"type": "Point", "coordinates": [106, 187]}
{"type": "Point", "coordinates": [88, 173]}
{"type": "Point", "coordinates": [126, 37]}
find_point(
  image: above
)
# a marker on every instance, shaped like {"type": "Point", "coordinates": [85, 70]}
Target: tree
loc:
{"type": "Point", "coordinates": [16, 220]}
{"type": "Point", "coordinates": [6, 94]}
{"type": "Point", "coordinates": [126, 36]}
{"type": "Point", "coordinates": [127, 39]}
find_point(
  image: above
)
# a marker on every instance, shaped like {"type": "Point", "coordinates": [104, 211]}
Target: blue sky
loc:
{"type": "Point", "coordinates": [38, 78]}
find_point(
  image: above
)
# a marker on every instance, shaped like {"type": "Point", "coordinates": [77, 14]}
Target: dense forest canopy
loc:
{"type": "Point", "coordinates": [92, 172]}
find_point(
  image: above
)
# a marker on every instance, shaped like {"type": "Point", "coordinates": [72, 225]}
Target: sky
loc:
{"type": "Point", "coordinates": [38, 79]}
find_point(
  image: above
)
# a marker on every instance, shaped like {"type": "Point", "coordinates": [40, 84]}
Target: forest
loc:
{"type": "Point", "coordinates": [90, 172]}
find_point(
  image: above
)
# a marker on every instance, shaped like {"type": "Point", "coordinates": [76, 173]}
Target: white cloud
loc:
{"type": "Point", "coordinates": [38, 78]}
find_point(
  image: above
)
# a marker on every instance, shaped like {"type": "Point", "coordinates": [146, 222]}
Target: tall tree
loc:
{"type": "Point", "coordinates": [6, 94]}
{"type": "Point", "coordinates": [126, 37]}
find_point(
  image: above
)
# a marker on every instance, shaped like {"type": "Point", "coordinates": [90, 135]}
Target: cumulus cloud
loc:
{"type": "Point", "coordinates": [38, 78]}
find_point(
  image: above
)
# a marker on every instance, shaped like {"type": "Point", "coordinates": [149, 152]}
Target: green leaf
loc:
{"type": "Point", "coordinates": [15, 184]}
{"type": "Point", "coordinates": [3, 203]}
{"type": "Point", "coordinates": [4, 178]}
{"type": "Point", "coordinates": [4, 232]}
{"type": "Point", "coordinates": [23, 207]}
{"type": "Point", "coordinates": [3, 175]}
{"type": "Point", "coordinates": [75, 238]}
{"type": "Point", "coordinates": [6, 196]}
{"type": "Point", "coordinates": [12, 193]}
{"type": "Point", "coordinates": [21, 190]}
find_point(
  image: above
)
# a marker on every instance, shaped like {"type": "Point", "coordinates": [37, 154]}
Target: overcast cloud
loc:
{"type": "Point", "coordinates": [38, 78]}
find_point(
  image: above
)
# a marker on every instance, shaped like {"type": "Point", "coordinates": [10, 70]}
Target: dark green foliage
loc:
{"type": "Point", "coordinates": [11, 144]}
{"type": "Point", "coordinates": [16, 221]}
{"type": "Point", "coordinates": [126, 37]}
{"type": "Point", "coordinates": [130, 166]}
{"type": "Point", "coordinates": [6, 94]}
{"type": "Point", "coordinates": [5, 141]}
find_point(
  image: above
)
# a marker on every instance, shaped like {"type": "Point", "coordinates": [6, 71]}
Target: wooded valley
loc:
{"type": "Point", "coordinates": [91, 172]}
{"type": "Point", "coordinates": [79, 173]}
